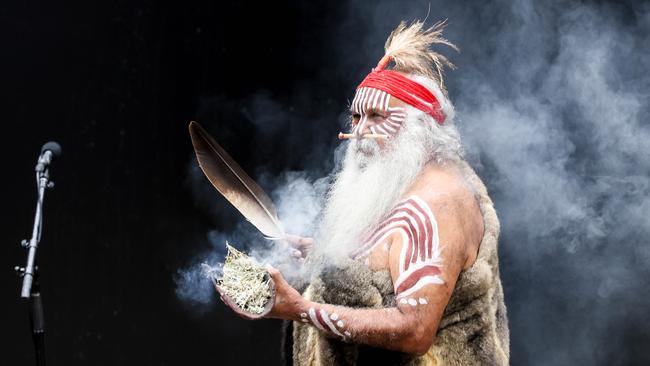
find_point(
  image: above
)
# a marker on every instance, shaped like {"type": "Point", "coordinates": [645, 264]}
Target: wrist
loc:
{"type": "Point", "coordinates": [302, 308]}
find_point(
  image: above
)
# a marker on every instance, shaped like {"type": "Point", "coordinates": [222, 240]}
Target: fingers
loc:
{"type": "Point", "coordinates": [273, 272]}
{"type": "Point", "coordinates": [276, 276]}
{"type": "Point", "coordinates": [295, 253]}
{"type": "Point", "coordinates": [300, 245]}
{"type": "Point", "coordinates": [299, 241]}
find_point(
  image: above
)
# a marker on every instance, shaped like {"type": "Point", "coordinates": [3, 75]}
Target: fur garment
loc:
{"type": "Point", "coordinates": [472, 331]}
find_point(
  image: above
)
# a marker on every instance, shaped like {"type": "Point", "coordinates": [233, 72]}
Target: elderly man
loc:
{"type": "Point", "coordinates": [406, 255]}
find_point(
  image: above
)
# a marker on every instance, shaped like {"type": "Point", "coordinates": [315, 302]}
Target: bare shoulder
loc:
{"type": "Point", "coordinates": [455, 208]}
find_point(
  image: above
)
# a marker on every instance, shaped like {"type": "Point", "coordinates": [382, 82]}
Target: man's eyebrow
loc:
{"type": "Point", "coordinates": [376, 110]}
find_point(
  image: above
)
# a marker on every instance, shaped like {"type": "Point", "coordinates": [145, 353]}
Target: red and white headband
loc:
{"type": "Point", "coordinates": [376, 89]}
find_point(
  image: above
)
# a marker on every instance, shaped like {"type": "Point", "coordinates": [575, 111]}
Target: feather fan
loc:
{"type": "Point", "coordinates": [234, 184]}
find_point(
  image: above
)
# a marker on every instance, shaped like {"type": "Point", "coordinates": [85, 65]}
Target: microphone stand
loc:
{"type": "Point", "coordinates": [31, 289]}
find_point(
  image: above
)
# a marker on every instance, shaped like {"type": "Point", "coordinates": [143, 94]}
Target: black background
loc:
{"type": "Point", "coordinates": [116, 84]}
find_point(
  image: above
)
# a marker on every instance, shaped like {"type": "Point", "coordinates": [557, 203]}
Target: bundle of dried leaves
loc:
{"type": "Point", "coordinates": [245, 281]}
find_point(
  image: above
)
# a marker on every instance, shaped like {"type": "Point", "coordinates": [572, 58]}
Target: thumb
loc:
{"type": "Point", "coordinates": [275, 274]}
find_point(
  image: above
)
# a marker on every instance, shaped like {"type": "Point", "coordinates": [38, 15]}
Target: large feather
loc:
{"type": "Point", "coordinates": [234, 184]}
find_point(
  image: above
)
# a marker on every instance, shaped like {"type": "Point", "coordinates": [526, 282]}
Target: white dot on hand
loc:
{"type": "Point", "coordinates": [303, 315]}
{"type": "Point", "coordinates": [412, 302]}
{"type": "Point", "coordinates": [334, 316]}
{"type": "Point", "coordinates": [403, 301]}
{"type": "Point", "coordinates": [423, 301]}
{"type": "Point", "coordinates": [340, 323]}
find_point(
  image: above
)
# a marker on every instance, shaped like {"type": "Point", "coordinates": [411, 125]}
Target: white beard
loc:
{"type": "Point", "coordinates": [372, 181]}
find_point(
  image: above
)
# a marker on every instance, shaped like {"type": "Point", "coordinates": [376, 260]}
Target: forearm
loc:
{"type": "Point", "coordinates": [389, 328]}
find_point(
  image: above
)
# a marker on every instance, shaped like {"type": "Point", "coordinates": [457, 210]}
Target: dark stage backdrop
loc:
{"type": "Point", "coordinates": [116, 84]}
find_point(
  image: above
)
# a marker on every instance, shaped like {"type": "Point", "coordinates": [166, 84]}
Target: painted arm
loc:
{"type": "Point", "coordinates": [423, 276]}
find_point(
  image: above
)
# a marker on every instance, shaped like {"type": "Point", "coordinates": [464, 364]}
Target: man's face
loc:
{"type": "Point", "coordinates": [375, 112]}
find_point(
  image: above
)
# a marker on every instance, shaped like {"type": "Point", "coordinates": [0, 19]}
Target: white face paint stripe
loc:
{"type": "Point", "coordinates": [381, 130]}
{"type": "Point", "coordinates": [378, 97]}
{"type": "Point", "coordinates": [364, 105]}
{"type": "Point", "coordinates": [384, 95]}
{"type": "Point", "coordinates": [353, 107]}
{"type": "Point", "coordinates": [394, 125]}
{"type": "Point", "coordinates": [388, 127]}
{"type": "Point", "coordinates": [362, 124]}
{"type": "Point", "coordinates": [357, 107]}
{"type": "Point", "coordinates": [367, 99]}
{"type": "Point", "coordinates": [372, 100]}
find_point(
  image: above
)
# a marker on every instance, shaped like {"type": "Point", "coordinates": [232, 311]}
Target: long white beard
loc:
{"type": "Point", "coordinates": [372, 181]}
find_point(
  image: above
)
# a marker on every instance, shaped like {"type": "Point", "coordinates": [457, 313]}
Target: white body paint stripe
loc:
{"type": "Point", "coordinates": [326, 319]}
{"type": "Point", "coordinates": [404, 275]}
{"type": "Point", "coordinates": [426, 280]}
{"type": "Point", "coordinates": [314, 319]}
{"type": "Point", "coordinates": [413, 219]}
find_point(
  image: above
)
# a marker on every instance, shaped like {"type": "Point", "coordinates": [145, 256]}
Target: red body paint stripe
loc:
{"type": "Point", "coordinates": [320, 319]}
{"type": "Point", "coordinates": [416, 276]}
{"type": "Point", "coordinates": [428, 227]}
{"type": "Point", "coordinates": [421, 236]}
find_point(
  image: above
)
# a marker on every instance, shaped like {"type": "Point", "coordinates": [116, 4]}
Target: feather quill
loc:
{"type": "Point", "coordinates": [234, 184]}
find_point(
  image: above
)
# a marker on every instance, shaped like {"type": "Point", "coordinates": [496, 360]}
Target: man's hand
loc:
{"type": "Point", "coordinates": [288, 301]}
{"type": "Point", "coordinates": [285, 303]}
{"type": "Point", "coordinates": [300, 245]}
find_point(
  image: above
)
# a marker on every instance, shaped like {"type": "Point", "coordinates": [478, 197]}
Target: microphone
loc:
{"type": "Point", "coordinates": [48, 151]}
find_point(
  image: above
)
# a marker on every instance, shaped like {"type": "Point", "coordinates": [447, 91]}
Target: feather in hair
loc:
{"type": "Point", "coordinates": [410, 48]}
{"type": "Point", "coordinates": [234, 184]}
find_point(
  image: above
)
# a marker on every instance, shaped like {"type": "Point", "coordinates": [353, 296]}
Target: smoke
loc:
{"type": "Point", "coordinates": [555, 119]}
{"type": "Point", "coordinates": [552, 100]}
